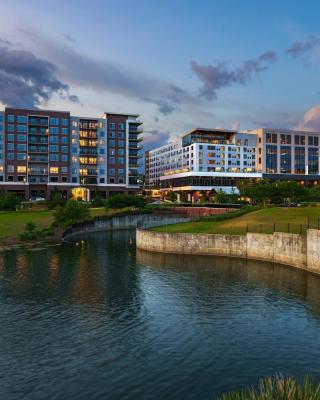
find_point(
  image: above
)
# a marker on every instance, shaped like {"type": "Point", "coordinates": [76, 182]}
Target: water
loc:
{"type": "Point", "coordinates": [96, 320]}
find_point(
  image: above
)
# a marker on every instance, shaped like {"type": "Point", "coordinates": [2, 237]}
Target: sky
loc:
{"type": "Point", "coordinates": [179, 64]}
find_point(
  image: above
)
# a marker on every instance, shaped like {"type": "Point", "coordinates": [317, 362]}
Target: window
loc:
{"type": "Point", "coordinates": [74, 150]}
{"type": "Point", "coordinates": [22, 156]}
{"type": "Point", "coordinates": [121, 152]}
{"type": "Point", "coordinates": [64, 158]}
{"type": "Point", "coordinates": [0, 128]}
{"type": "Point", "coordinates": [1, 118]}
{"type": "Point", "coordinates": [54, 130]}
{"type": "Point", "coordinates": [22, 147]}
{"type": "Point", "coordinates": [101, 134]}
{"type": "Point", "coordinates": [10, 168]}
{"type": "Point", "coordinates": [120, 180]}
{"type": "Point", "coordinates": [22, 119]}
{"type": "Point", "coordinates": [313, 161]}
{"type": "Point", "coordinates": [54, 139]}
{"type": "Point", "coordinates": [111, 171]}
{"type": "Point", "coordinates": [10, 128]}
{"type": "Point", "coordinates": [10, 118]}
{"type": "Point", "coordinates": [54, 170]}
{"type": "Point", "coordinates": [120, 171]}
{"type": "Point", "coordinates": [299, 160]}
{"type": "Point", "coordinates": [22, 138]}
{"type": "Point", "coordinates": [111, 143]}
{"type": "Point", "coordinates": [10, 146]}
{"type": "Point", "coordinates": [21, 169]}
{"type": "Point", "coordinates": [54, 148]}
{"type": "Point", "coordinates": [111, 180]}
{"type": "Point", "coordinates": [54, 157]}
{"type": "Point", "coordinates": [10, 137]}
{"type": "Point", "coordinates": [112, 160]}
{"type": "Point", "coordinates": [121, 135]}
{"type": "Point", "coordinates": [101, 180]}
{"type": "Point", "coordinates": [112, 152]}
{"type": "Point", "coordinates": [64, 131]}
{"type": "Point", "coordinates": [54, 121]}
{"type": "Point", "coordinates": [112, 135]}
{"type": "Point", "coordinates": [64, 149]}
{"type": "Point", "coordinates": [64, 170]}
{"type": "Point", "coordinates": [271, 159]}
{"type": "Point", "coordinates": [121, 127]}
{"type": "Point", "coordinates": [101, 151]}
{"type": "Point", "coordinates": [271, 138]}
{"type": "Point", "coordinates": [285, 160]}
{"type": "Point", "coordinates": [74, 179]}
{"type": "Point", "coordinates": [121, 160]}
{"type": "Point", "coordinates": [112, 125]}
{"type": "Point", "coordinates": [22, 128]}
{"type": "Point", "coordinates": [65, 122]}
{"type": "Point", "coordinates": [121, 143]}
{"type": "Point", "coordinates": [101, 171]}
{"type": "Point", "coordinates": [54, 179]}
{"type": "Point", "coordinates": [64, 140]}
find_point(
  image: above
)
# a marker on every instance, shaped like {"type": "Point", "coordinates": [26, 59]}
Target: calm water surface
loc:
{"type": "Point", "coordinates": [98, 320]}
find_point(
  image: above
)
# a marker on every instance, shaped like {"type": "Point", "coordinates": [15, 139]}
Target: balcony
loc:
{"type": "Point", "coordinates": [135, 155]}
{"type": "Point", "coordinates": [34, 179]}
{"type": "Point", "coordinates": [135, 129]}
{"type": "Point", "coordinates": [135, 146]}
{"type": "Point", "coordinates": [38, 121]}
{"type": "Point", "coordinates": [37, 171]}
{"type": "Point", "coordinates": [35, 149]}
{"type": "Point", "coordinates": [135, 138]}
{"type": "Point", "coordinates": [38, 159]}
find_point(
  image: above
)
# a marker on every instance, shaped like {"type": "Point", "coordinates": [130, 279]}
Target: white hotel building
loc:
{"type": "Point", "coordinates": [207, 160]}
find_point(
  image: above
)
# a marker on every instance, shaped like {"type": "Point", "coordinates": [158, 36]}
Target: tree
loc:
{"type": "Point", "coordinates": [123, 201]}
{"type": "Point", "coordinates": [97, 200]}
{"type": "Point", "coordinates": [73, 212]}
{"type": "Point", "coordinates": [9, 201]}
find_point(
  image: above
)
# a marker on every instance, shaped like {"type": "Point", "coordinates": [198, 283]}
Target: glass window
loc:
{"type": "Point", "coordinates": [1, 118]}
{"type": "Point", "coordinates": [112, 171]}
{"type": "Point", "coordinates": [112, 125]}
{"type": "Point", "coordinates": [10, 137]}
{"type": "Point", "coordinates": [313, 161]}
{"type": "Point", "coordinates": [101, 134]}
{"type": "Point", "coordinates": [54, 130]}
{"type": "Point", "coordinates": [271, 159]}
{"type": "Point", "coordinates": [74, 150]}
{"type": "Point", "coordinates": [64, 149]}
{"type": "Point", "coordinates": [54, 148]}
{"type": "Point", "coordinates": [54, 157]}
{"type": "Point", "coordinates": [121, 152]}
{"type": "Point", "coordinates": [22, 147]}
{"type": "Point", "coordinates": [101, 151]}
{"type": "Point", "coordinates": [22, 156]}
{"type": "Point", "coordinates": [112, 135]}
{"type": "Point", "coordinates": [65, 122]}
{"type": "Point", "coordinates": [54, 139]}
{"type": "Point", "coordinates": [22, 119]}
{"type": "Point", "coordinates": [64, 170]}
{"type": "Point", "coordinates": [120, 171]}
{"type": "Point", "coordinates": [112, 160]}
{"type": "Point", "coordinates": [64, 131]}
{"type": "Point", "coordinates": [10, 146]}
{"type": "Point", "coordinates": [299, 160]}
{"type": "Point", "coordinates": [10, 128]}
{"type": "Point", "coordinates": [121, 160]}
{"type": "Point", "coordinates": [1, 128]}
{"type": "Point", "coordinates": [10, 156]}
{"type": "Point", "coordinates": [111, 143]}
{"type": "Point", "coordinates": [64, 158]}
{"type": "Point", "coordinates": [285, 160]}
{"type": "Point", "coordinates": [10, 118]}
{"type": "Point", "coordinates": [64, 140]}
{"type": "Point", "coordinates": [121, 135]}
{"type": "Point", "coordinates": [54, 121]}
{"type": "Point", "coordinates": [121, 127]}
{"type": "Point", "coordinates": [101, 171]}
{"type": "Point", "coordinates": [22, 138]}
{"type": "Point", "coordinates": [121, 143]}
{"type": "Point", "coordinates": [112, 152]}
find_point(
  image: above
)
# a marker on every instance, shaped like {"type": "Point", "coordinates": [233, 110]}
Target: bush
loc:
{"type": "Point", "coordinates": [28, 235]}
{"type": "Point", "coordinates": [30, 227]}
{"type": "Point", "coordinates": [73, 212]}
{"type": "Point", "coordinates": [97, 200]}
{"type": "Point", "coordinates": [123, 201]}
{"type": "Point", "coordinates": [9, 201]}
{"type": "Point", "coordinates": [278, 388]}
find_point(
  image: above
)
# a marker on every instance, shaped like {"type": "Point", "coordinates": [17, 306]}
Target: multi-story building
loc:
{"type": "Point", "coordinates": [207, 160]}
{"type": "Point", "coordinates": [41, 151]}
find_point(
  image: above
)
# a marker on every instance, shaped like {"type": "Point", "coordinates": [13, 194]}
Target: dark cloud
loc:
{"type": "Point", "coordinates": [26, 80]}
{"type": "Point", "coordinates": [102, 75]}
{"type": "Point", "coordinates": [69, 38]}
{"type": "Point", "coordinates": [299, 48]}
{"type": "Point", "coordinates": [155, 138]}
{"type": "Point", "coordinates": [218, 76]}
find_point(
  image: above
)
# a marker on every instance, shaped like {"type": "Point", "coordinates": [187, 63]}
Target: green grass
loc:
{"type": "Point", "coordinates": [13, 222]}
{"type": "Point", "coordinates": [261, 220]}
{"type": "Point", "coordinates": [278, 388]}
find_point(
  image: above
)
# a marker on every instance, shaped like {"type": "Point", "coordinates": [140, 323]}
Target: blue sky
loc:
{"type": "Point", "coordinates": [180, 64]}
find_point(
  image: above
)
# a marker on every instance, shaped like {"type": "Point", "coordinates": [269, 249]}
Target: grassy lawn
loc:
{"type": "Point", "coordinates": [13, 222]}
{"type": "Point", "coordinates": [257, 221]}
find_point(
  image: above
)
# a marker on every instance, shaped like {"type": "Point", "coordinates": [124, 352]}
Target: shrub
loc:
{"type": "Point", "coordinates": [278, 388]}
{"type": "Point", "coordinates": [97, 200]}
{"type": "Point", "coordinates": [28, 235]}
{"type": "Point", "coordinates": [123, 201]}
{"type": "Point", "coordinates": [73, 212]}
{"type": "Point", "coordinates": [9, 201]}
{"type": "Point", "coordinates": [30, 226]}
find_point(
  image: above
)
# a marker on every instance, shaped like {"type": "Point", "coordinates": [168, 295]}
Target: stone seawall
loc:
{"type": "Point", "coordinates": [283, 248]}
{"type": "Point", "coordinates": [130, 221]}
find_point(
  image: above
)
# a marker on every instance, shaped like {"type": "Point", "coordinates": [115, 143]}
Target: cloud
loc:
{"type": "Point", "coordinates": [155, 138]}
{"type": "Point", "coordinates": [236, 126]}
{"type": "Point", "coordinates": [218, 76]}
{"type": "Point", "coordinates": [107, 76]}
{"type": "Point", "coordinates": [311, 119]}
{"type": "Point", "coordinates": [26, 80]}
{"type": "Point", "coordinates": [299, 48]}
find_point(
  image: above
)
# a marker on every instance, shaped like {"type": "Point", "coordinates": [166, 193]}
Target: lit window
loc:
{"type": "Point", "coordinates": [21, 169]}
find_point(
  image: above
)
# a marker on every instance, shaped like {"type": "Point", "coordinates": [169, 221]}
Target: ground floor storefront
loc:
{"type": "Point", "coordinates": [84, 192]}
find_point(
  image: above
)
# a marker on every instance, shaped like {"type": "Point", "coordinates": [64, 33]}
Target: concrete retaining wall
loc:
{"type": "Point", "coordinates": [283, 248]}
{"type": "Point", "coordinates": [123, 222]}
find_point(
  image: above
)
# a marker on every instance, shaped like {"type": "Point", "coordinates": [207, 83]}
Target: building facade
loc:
{"type": "Point", "coordinates": [208, 160]}
{"type": "Point", "coordinates": [42, 151]}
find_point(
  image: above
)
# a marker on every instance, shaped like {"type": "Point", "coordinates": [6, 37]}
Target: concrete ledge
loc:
{"type": "Point", "coordinates": [284, 248]}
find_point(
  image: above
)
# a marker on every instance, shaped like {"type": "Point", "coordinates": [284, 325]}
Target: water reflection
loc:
{"type": "Point", "coordinates": [95, 319]}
